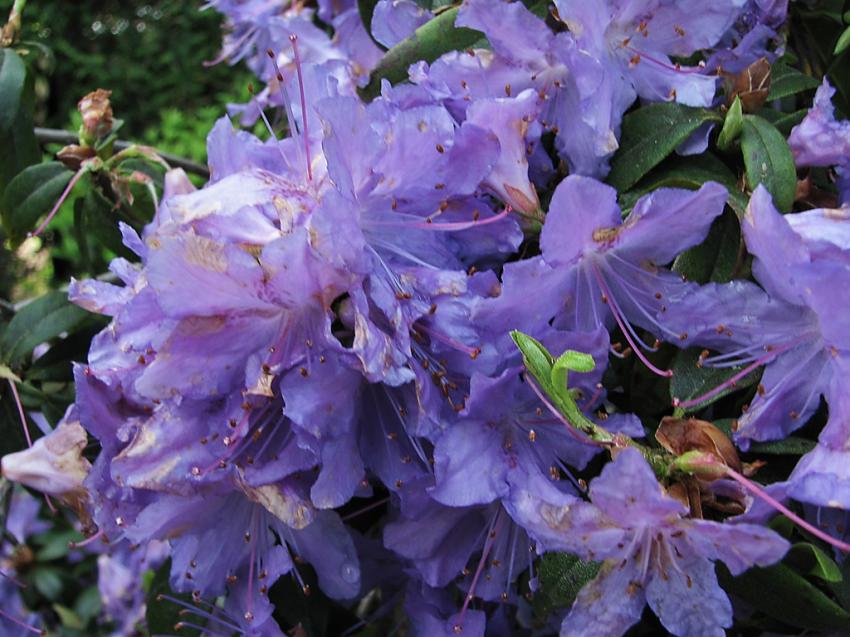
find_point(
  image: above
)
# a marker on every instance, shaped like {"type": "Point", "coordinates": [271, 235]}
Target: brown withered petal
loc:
{"type": "Point", "coordinates": [751, 85]}
{"type": "Point", "coordinates": [97, 113]}
{"type": "Point", "coordinates": [679, 435]}
{"type": "Point", "coordinates": [687, 490]}
{"type": "Point", "coordinates": [73, 155]}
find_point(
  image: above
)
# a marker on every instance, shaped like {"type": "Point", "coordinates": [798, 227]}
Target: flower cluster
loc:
{"type": "Point", "coordinates": [323, 328]}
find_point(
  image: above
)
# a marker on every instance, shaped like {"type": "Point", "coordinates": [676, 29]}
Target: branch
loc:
{"type": "Point", "coordinates": [56, 136]}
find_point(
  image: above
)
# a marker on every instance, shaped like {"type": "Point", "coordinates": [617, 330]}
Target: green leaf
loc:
{"type": "Point", "coordinates": [649, 135]}
{"type": "Point", "coordinates": [732, 125]}
{"type": "Point", "coordinates": [69, 618]}
{"type": "Point", "coordinates": [786, 80]}
{"type": "Point", "coordinates": [13, 76]}
{"type": "Point", "coordinates": [8, 374]}
{"type": "Point", "coordinates": [18, 145]}
{"type": "Point", "coordinates": [31, 194]}
{"type": "Point", "coordinates": [48, 581]}
{"type": "Point", "coordinates": [689, 381]}
{"type": "Point", "coordinates": [781, 593]}
{"type": "Point", "coordinates": [41, 320]}
{"type": "Point", "coordinates": [428, 42]}
{"type": "Point", "coordinates": [12, 438]}
{"type": "Point", "coordinates": [55, 544]}
{"type": "Point", "coordinates": [162, 614]}
{"type": "Point", "coordinates": [562, 576]}
{"type": "Point", "coordinates": [716, 258]}
{"type": "Point", "coordinates": [688, 172]}
{"type": "Point", "coordinates": [808, 559]}
{"type": "Point", "coordinates": [769, 161]}
{"type": "Point", "coordinates": [843, 42]}
{"type": "Point", "coordinates": [790, 446]}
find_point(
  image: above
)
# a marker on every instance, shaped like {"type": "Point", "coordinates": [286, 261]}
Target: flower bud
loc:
{"type": "Point", "coordinates": [97, 116]}
{"type": "Point", "coordinates": [678, 436]}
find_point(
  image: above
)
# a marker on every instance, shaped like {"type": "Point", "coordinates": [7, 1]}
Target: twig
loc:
{"type": "Point", "coordinates": [56, 136]}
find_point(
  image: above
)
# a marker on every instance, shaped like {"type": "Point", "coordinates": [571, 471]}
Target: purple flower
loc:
{"type": "Point", "coordinates": [395, 20]}
{"type": "Point", "coordinates": [821, 140]}
{"type": "Point", "coordinates": [598, 270]}
{"type": "Point", "coordinates": [613, 53]}
{"type": "Point", "coordinates": [503, 441]}
{"type": "Point", "coordinates": [794, 327]}
{"type": "Point", "coordinates": [480, 545]}
{"type": "Point", "coordinates": [650, 553]}
{"type": "Point", "coordinates": [21, 522]}
{"type": "Point", "coordinates": [755, 34]}
{"type": "Point", "coordinates": [120, 574]}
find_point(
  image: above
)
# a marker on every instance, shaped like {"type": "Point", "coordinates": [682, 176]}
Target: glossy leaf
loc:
{"type": "Point", "coordinates": [650, 134]}
{"type": "Point", "coordinates": [428, 42]}
{"type": "Point", "coordinates": [13, 75]}
{"type": "Point", "coordinates": [41, 320]}
{"type": "Point", "coordinates": [31, 194]}
{"type": "Point", "coordinates": [688, 172]}
{"type": "Point", "coordinates": [689, 381]}
{"type": "Point", "coordinates": [732, 125]}
{"type": "Point", "coordinates": [769, 161]}
{"type": "Point", "coordinates": [843, 42]}
{"type": "Point", "coordinates": [716, 258]}
{"type": "Point", "coordinates": [789, 81]}
{"type": "Point", "coordinates": [783, 594]}
{"type": "Point", "coordinates": [808, 559]}
{"type": "Point", "coordinates": [18, 145]}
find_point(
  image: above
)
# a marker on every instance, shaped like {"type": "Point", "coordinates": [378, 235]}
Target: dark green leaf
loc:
{"type": "Point", "coordinates": [789, 120]}
{"type": "Point", "coordinates": [428, 42]}
{"type": "Point", "coordinates": [18, 144]}
{"type": "Point", "coordinates": [41, 320]}
{"type": "Point", "coordinates": [13, 75]}
{"type": "Point", "coordinates": [11, 435]}
{"type": "Point", "coordinates": [768, 160]}
{"type": "Point", "coordinates": [48, 581]}
{"type": "Point", "coordinates": [786, 80]}
{"type": "Point", "coordinates": [790, 446]}
{"type": "Point", "coordinates": [733, 124]}
{"type": "Point", "coordinates": [562, 576]}
{"type": "Point", "coordinates": [716, 258]}
{"type": "Point", "coordinates": [688, 172]}
{"type": "Point", "coordinates": [55, 544]}
{"type": "Point", "coordinates": [162, 614]}
{"type": "Point", "coordinates": [31, 194]}
{"type": "Point", "coordinates": [808, 559]}
{"type": "Point", "coordinates": [843, 42]}
{"type": "Point", "coordinates": [781, 593]}
{"type": "Point", "coordinates": [689, 381]}
{"type": "Point", "coordinates": [649, 135]}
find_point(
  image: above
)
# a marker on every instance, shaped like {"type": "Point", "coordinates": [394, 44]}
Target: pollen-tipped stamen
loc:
{"type": "Point", "coordinates": [625, 328]}
{"type": "Point", "coordinates": [492, 533]}
{"type": "Point", "coordinates": [776, 504]}
{"type": "Point", "coordinates": [294, 40]}
{"type": "Point", "coordinates": [287, 105]}
{"type": "Point", "coordinates": [733, 380]}
{"type": "Point", "coordinates": [189, 608]}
